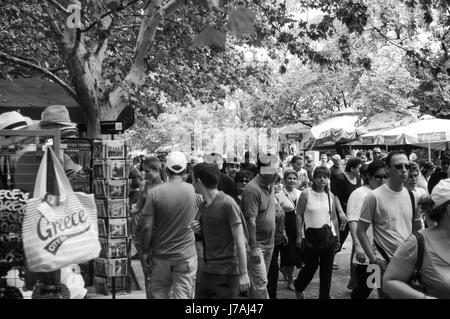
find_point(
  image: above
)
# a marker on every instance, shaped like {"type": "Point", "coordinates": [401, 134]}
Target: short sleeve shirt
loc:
{"type": "Point", "coordinates": [258, 201]}
{"type": "Point", "coordinates": [390, 214]}
{"type": "Point", "coordinates": [173, 206]}
{"type": "Point", "coordinates": [354, 205]}
{"type": "Point", "coordinates": [435, 269]}
{"type": "Point", "coordinates": [217, 220]}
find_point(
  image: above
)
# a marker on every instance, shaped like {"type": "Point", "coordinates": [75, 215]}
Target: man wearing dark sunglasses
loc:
{"type": "Point", "coordinates": [376, 153]}
{"type": "Point", "coordinates": [391, 210]}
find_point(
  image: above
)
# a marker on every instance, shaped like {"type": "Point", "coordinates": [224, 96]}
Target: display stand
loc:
{"type": "Point", "coordinates": [20, 158]}
{"type": "Point", "coordinates": [111, 188]}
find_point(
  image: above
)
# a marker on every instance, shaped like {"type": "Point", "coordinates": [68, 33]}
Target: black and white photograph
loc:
{"type": "Point", "coordinates": [98, 150]}
{"type": "Point", "coordinates": [117, 208]}
{"type": "Point", "coordinates": [117, 228]}
{"type": "Point", "coordinates": [116, 169]}
{"type": "Point", "coordinates": [117, 189]}
{"type": "Point", "coordinates": [115, 149]}
{"type": "Point", "coordinates": [176, 122]}
{"type": "Point", "coordinates": [117, 248]}
{"type": "Point", "coordinates": [117, 267]}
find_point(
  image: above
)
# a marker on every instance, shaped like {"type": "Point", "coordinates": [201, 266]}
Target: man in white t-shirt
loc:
{"type": "Point", "coordinates": [389, 209]}
{"type": "Point", "coordinates": [373, 176]}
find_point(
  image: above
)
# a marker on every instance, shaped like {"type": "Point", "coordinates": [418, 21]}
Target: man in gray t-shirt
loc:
{"type": "Point", "coordinates": [168, 240]}
{"type": "Point", "coordinates": [258, 205]}
{"type": "Point", "coordinates": [223, 233]}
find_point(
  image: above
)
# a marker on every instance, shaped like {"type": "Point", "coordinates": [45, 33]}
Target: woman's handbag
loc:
{"type": "Point", "coordinates": [320, 239]}
{"type": "Point", "coordinates": [57, 235]}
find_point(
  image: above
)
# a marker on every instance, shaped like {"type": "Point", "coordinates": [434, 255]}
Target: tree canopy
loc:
{"type": "Point", "coordinates": [275, 59]}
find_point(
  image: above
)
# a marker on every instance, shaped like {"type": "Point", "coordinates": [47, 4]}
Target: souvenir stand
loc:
{"type": "Point", "coordinates": [111, 189]}
{"type": "Point", "coordinates": [20, 155]}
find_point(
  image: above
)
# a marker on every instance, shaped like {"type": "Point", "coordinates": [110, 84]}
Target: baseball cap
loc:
{"type": "Point", "coordinates": [269, 163]}
{"type": "Point", "coordinates": [176, 162]}
{"type": "Point", "coordinates": [441, 192]}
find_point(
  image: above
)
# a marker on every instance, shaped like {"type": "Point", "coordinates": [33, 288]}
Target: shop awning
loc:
{"type": "Point", "coordinates": [30, 96]}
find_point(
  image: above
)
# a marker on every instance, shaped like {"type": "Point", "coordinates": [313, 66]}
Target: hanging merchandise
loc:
{"type": "Point", "coordinates": [57, 233]}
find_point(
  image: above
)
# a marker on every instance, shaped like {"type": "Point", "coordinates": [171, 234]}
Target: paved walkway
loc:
{"type": "Point", "coordinates": [338, 286]}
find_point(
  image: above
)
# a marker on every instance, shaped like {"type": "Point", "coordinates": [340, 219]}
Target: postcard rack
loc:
{"type": "Point", "coordinates": [111, 188]}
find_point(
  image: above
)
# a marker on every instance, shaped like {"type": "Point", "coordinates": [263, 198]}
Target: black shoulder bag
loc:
{"type": "Point", "coordinates": [320, 239]}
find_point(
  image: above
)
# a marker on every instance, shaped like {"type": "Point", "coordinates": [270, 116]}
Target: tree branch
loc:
{"type": "Point", "coordinates": [119, 8]}
{"type": "Point", "coordinates": [51, 17]}
{"type": "Point", "coordinates": [59, 6]}
{"type": "Point", "coordinates": [47, 73]}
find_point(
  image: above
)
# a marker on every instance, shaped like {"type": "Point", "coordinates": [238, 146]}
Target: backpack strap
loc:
{"type": "Point", "coordinates": [382, 251]}
{"type": "Point", "coordinates": [420, 252]}
{"type": "Point", "coordinates": [413, 206]}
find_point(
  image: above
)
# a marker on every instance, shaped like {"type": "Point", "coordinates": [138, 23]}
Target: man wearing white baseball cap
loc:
{"type": "Point", "coordinates": [168, 241]}
{"type": "Point", "coordinates": [433, 254]}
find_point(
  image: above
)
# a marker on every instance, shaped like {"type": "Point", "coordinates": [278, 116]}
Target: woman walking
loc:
{"type": "Point", "coordinates": [288, 197]}
{"type": "Point", "coordinates": [435, 260]}
{"type": "Point", "coordinates": [318, 232]}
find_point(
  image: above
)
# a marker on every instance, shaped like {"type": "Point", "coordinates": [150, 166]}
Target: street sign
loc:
{"type": "Point", "coordinates": [111, 127]}
{"type": "Point", "coordinates": [294, 136]}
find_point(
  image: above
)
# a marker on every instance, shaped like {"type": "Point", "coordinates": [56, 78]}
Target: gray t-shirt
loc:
{"type": "Point", "coordinates": [173, 206]}
{"type": "Point", "coordinates": [259, 201]}
{"type": "Point", "coordinates": [218, 243]}
{"type": "Point", "coordinates": [435, 271]}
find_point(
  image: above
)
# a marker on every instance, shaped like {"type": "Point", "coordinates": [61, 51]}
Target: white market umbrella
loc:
{"type": "Point", "coordinates": [339, 128]}
{"type": "Point", "coordinates": [432, 133]}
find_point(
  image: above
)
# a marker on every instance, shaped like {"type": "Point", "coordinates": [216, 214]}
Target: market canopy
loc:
{"type": "Point", "coordinates": [434, 133]}
{"type": "Point", "coordinates": [340, 128]}
{"type": "Point", "coordinates": [382, 122]}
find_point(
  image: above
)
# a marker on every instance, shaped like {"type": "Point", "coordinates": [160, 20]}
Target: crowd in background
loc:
{"type": "Point", "coordinates": [215, 228]}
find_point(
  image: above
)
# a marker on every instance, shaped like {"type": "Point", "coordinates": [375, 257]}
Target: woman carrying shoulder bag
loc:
{"type": "Point", "coordinates": [432, 269]}
{"type": "Point", "coordinates": [318, 233]}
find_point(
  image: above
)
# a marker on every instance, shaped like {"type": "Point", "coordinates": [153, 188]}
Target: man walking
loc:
{"type": "Point", "coordinates": [391, 211]}
{"type": "Point", "coordinates": [151, 167]}
{"type": "Point", "coordinates": [258, 206]}
{"type": "Point", "coordinates": [224, 239]}
{"type": "Point", "coordinates": [168, 240]}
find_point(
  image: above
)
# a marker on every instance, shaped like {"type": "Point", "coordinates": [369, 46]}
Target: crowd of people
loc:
{"type": "Point", "coordinates": [206, 228]}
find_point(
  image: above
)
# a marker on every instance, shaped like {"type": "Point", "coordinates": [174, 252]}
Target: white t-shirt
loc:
{"type": "Point", "coordinates": [317, 211]}
{"type": "Point", "coordinates": [390, 214]}
{"type": "Point", "coordinates": [354, 204]}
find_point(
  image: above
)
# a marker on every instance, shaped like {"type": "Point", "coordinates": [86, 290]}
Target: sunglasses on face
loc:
{"type": "Point", "coordinates": [402, 166]}
{"type": "Point", "coordinates": [380, 176]}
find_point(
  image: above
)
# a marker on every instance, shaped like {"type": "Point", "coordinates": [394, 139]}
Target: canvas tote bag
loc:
{"type": "Point", "coordinates": [55, 236]}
